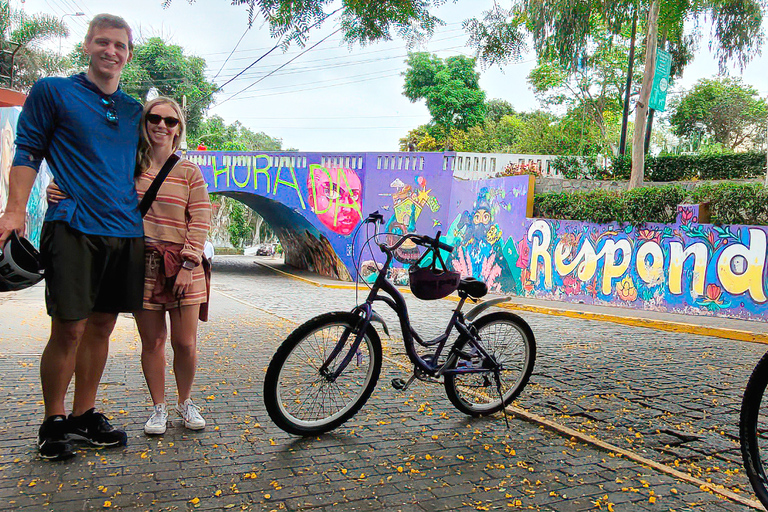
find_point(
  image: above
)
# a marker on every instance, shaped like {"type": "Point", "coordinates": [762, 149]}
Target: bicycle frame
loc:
{"type": "Point", "coordinates": [395, 300]}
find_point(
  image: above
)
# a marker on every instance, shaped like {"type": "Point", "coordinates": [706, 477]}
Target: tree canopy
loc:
{"type": "Point", "coordinates": [725, 110]}
{"type": "Point", "coordinates": [362, 22]}
{"type": "Point", "coordinates": [165, 67]}
{"type": "Point", "coordinates": [23, 60]}
{"type": "Point", "coordinates": [217, 135]}
{"type": "Point", "coordinates": [450, 88]}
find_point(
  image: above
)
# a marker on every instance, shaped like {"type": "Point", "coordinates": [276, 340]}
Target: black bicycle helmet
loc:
{"type": "Point", "coordinates": [430, 282]}
{"type": "Point", "coordinates": [20, 265]}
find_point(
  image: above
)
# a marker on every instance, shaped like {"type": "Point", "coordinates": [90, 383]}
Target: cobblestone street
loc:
{"type": "Point", "coordinates": [672, 398]}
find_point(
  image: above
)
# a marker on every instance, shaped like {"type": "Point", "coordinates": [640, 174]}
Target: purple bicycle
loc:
{"type": "Point", "coordinates": [327, 368]}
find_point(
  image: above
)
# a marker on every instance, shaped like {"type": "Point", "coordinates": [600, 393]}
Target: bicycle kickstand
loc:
{"type": "Point", "coordinates": [501, 396]}
{"type": "Point", "coordinates": [400, 384]}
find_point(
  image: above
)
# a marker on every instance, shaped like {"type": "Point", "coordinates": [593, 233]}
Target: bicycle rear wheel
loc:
{"type": "Point", "coordinates": [753, 430]}
{"type": "Point", "coordinates": [509, 340]}
{"type": "Point", "coordinates": [301, 400]}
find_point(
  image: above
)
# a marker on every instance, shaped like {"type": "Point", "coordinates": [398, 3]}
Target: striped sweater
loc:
{"type": "Point", "coordinates": [181, 213]}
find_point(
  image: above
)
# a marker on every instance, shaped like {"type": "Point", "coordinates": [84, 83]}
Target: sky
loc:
{"type": "Point", "coordinates": [333, 97]}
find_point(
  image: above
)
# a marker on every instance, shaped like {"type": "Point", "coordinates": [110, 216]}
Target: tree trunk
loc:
{"type": "Point", "coordinates": [641, 110]}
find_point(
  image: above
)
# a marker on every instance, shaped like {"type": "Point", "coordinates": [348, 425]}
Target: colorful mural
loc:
{"type": "Point", "coordinates": [334, 196]}
{"type": "Point", "coordinates": [315, 207]}
{"type": "Point", "coordinates": [37, 206]}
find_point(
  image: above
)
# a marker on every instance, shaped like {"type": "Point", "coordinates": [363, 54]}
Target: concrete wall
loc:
{"type": "Point", "coordinates": [315, 203]}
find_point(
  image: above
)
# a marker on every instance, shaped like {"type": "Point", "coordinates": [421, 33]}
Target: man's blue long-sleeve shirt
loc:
{"type": "Point", "coordinates": [93, 160]}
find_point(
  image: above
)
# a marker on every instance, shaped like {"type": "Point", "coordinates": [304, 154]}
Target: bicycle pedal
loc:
{"type": "Point", "coordinates": [399, 384]}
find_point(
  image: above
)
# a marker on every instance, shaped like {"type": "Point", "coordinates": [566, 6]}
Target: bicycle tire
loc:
{"type": "Point", "coordinates": [750, 431]}
{"type": "Point", "coordinates": [476, 394]}
{"type": "Point", "coordinates": [293, 380]}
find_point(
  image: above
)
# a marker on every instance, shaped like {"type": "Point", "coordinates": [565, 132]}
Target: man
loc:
{"type": "Point", "coordinates": [92, 245]}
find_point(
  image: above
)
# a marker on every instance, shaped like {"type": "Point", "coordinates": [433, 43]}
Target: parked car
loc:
{"type": "Point", "coordinates": [265, 250]}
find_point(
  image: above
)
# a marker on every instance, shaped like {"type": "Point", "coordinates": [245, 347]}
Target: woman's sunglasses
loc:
{"type": "Point", "coordinates": [170, 122]}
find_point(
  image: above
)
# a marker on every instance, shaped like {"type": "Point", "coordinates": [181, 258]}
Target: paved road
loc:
{"type": "Point", "coordinates": [672, 398]}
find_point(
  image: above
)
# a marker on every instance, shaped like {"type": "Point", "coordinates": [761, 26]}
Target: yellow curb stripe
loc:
{"type": "Point", "coordinates": [662, 325]}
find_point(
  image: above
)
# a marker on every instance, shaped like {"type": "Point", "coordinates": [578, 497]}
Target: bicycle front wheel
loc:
{"type": "Point", "coordinates": [303, 401]}
{"type": "Point", "coordinates": [509, 341]}
{"type": "Point", "coordinates": [753, 430]}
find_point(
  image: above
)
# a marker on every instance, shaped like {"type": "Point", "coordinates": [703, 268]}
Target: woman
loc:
{"type": "Point", "coordinates": [175, 230]}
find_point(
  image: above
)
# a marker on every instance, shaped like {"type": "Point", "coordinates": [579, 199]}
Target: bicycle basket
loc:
{"type": "Point", "coordinates": [430, 282]}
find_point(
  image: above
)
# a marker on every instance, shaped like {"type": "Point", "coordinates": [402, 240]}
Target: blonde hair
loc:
{"type": "Point", "coordinates": [109, 21]}
{"type": "Point", "coordinates": [143, 160]}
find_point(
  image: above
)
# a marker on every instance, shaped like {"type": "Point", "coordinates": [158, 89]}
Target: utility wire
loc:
{"type": "Point", "coordinates": [217, 89]}
{"type": "Point", "coordinates": [280, 67]}
{"type": "Point", "coordinates": [230, 53]}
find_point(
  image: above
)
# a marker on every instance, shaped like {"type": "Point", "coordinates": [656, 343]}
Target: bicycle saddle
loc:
{"type": "Point", "coordinates": [473, 287]}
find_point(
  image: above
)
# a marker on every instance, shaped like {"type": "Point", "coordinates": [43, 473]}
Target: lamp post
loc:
{"type": "Point", "coordinates": [61, 20]}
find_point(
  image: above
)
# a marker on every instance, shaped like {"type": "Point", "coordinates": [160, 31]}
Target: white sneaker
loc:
{"type": "Point", "coordinates": [190, 413]}
{"type": "Point", "coordinates": [156, 424]}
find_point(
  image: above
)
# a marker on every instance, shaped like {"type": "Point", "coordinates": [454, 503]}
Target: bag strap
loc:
{"type": "Point", "coordinates": [151, 194]}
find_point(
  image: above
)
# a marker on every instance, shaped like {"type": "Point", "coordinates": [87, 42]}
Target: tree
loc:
{"type": "Point", "coordinates": [361, 22]}
{"type": "Point", "coordinates": [593, 90]}
{"type": "Point", "coordinates": [537, 133]}
{"type": "Point", "coordinates": [561, 31]}
{"type": "Point", "coordinates": [725, 110]}
{"type": "Point", "coordinates": [217, 135]}
{"type": "Point", "coordinates": [22, 59]}
{"type": "Point", "coordinates": [166, 68]}
{"type": "Point", "coordinates": [495, 109]}
{"type": "Point", "coordinates": [450, 88]}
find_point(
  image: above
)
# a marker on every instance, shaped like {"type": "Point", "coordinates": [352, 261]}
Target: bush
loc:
{"type": "Point", "coordinates": [599, 206]}
{"type": "Point", "coordinates": [635, 207]}
{"type": "Point", "coordinates": [651, 204]}
{"type": "Point", "coordinates": [690, 167]}
{"type": "Point", "coordinates": [580, 167]}
{"type": "Point", "coordinates": [734, 203]}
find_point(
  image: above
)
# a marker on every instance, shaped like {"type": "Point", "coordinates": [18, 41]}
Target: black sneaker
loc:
{"type": "Point", "coordinates": [52, 441]}
{"type": "Point", "coordinates": [94, 428]}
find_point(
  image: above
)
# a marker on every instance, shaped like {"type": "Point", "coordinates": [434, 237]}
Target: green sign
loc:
{"type": "Point", "coordinates": [658, 99]}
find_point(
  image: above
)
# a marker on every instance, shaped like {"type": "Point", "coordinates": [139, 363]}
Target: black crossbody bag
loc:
{"type": "Point", "coordinates": [151, 194]}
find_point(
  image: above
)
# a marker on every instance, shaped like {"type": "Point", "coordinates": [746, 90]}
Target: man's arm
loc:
{"type": "Point", "coordinates": [20, 184]}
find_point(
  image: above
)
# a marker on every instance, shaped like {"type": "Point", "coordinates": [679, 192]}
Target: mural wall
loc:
{"type": "Point", "coordinates": [37, 205]}
{"type": "Point", "coordinates": [315, 203]}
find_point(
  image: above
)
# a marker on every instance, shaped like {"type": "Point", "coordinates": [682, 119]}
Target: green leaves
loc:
{"type": "Point", "coordinates": [166, 68]}
{"type": "Point", "coordinates": [695, 167]}
{"type": "Point", "coordinates": [724, 110]}
{"type": "Point", "coordinates": [450, 88]}
{"type": "Point", "coordinates": [22, 34]}
{"type": "Point", "coordinates": [634, 207]}
{"type": "Point", "coordinates": [735, 203]}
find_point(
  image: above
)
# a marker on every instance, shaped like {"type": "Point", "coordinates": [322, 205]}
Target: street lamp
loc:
{"type": "Point", "coordinates": [61, 20]}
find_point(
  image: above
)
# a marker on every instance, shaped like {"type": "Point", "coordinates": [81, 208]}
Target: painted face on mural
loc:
{"type": "Point", "coordinates": [334, 196]}
{"type": "Point", "coordinates": [482, 216]}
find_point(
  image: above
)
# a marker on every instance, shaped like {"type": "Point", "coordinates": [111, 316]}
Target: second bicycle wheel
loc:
{"type": "Point", "coordinates": [753, 430]}
{"type": "Point", "coordinates": [509, 340]}
{"type": "Point", "coordinates": [303, 401]}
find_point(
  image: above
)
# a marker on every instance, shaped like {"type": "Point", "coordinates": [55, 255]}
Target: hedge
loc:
{"type": "Point", "coordinates": [692, 167]}
{"type": "Point", "coordinates": [730, 203]}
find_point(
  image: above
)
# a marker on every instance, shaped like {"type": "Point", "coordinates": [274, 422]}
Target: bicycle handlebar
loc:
{"type": "Point", "coordinates": [422, 240]}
